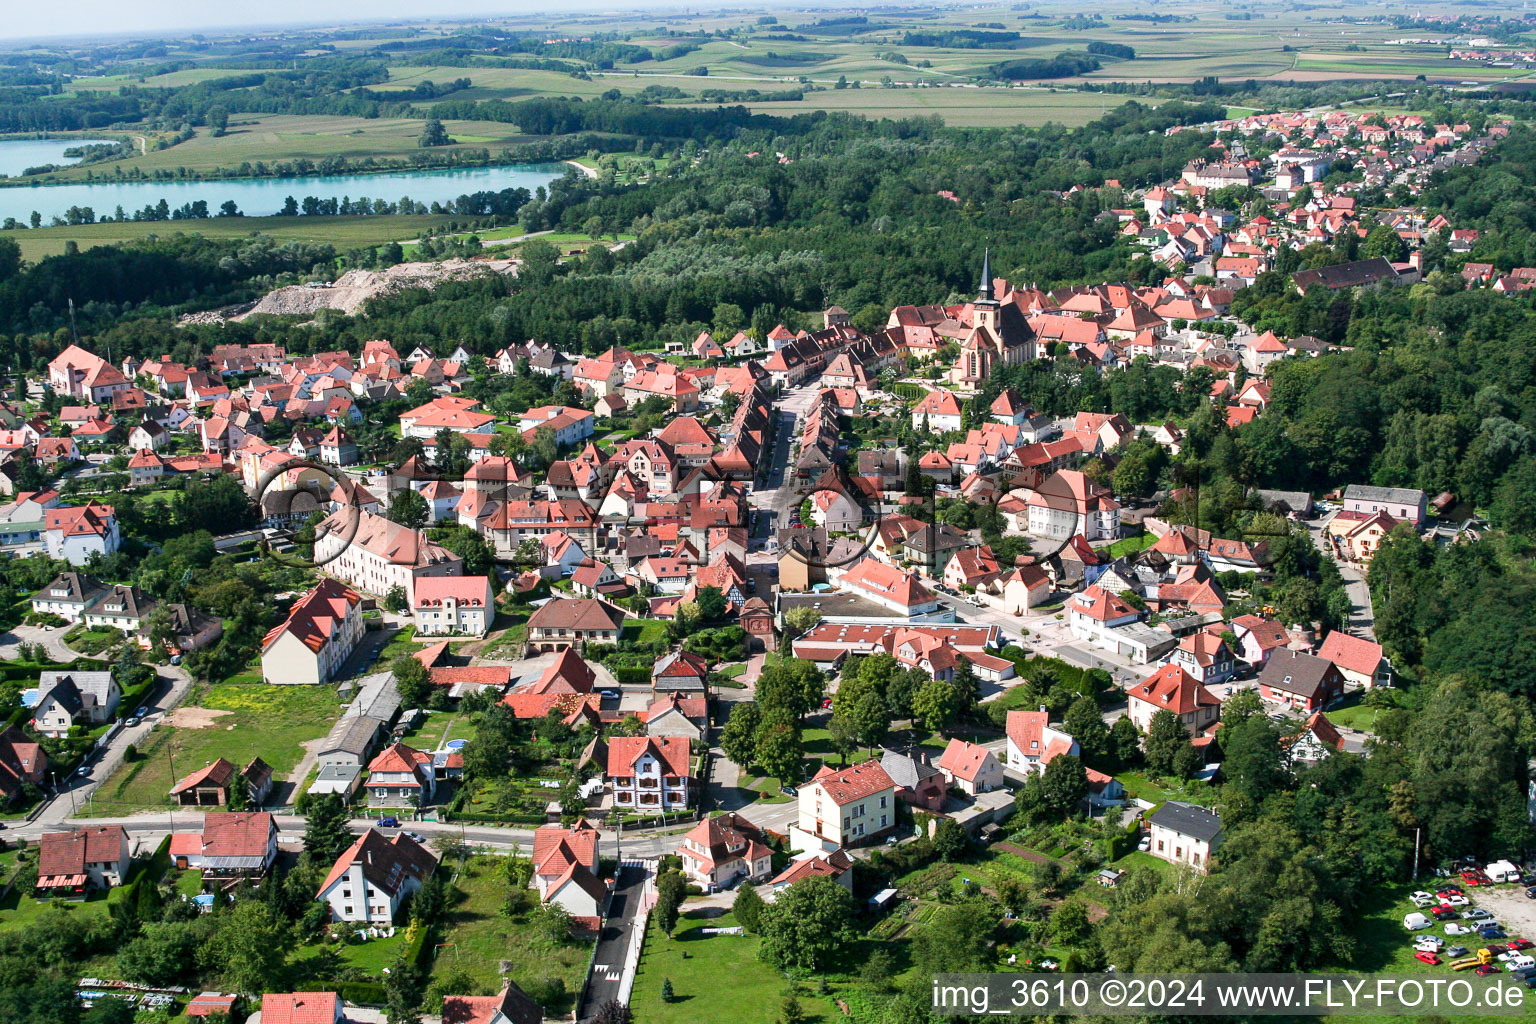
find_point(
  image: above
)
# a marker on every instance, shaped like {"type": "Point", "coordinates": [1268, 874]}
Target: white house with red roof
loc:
{"type": "Point", "coordinates": [1171, 688]}
{"type": "Point", "coordinates": [74, 534]}
{"type": "Point", "coordinates": [1091, 612]}
{"type": "Point", "coordinates": [970, 767]}
{"type": "Point", "coordinates": [940, 410]}
{"type": "Point", "coordinates": [890, 588]}
{"type": "Point", "coordinates": [1067, 504]}
{"type": "Point", "coordinates": [445, 412]}
{"type": "Point", "coordinates": [1359, 660]}
{"type": "Point", "coordinates": [321, 631]}
{"type": "Point", "coordinates": [721, 849]}
{"type": "Point", "coordinates": [373, 877]}
{"type": "Point", "coordinates": [1033, 743]}
{"type": "Point", "coordinates": [1258, 638]}
{"type": "Point", "coordinates": [85, 375]}
{"type": "Point", "coordinates": [302, 1008]}
{"type": "Point", "coordinates": [70, 863]}
{"type": "Point", "coordinates": [844, 808]}
{"type": "Point", "coordinates": [376, 555]}
{"type": "Point", "coordinates": [400, 776]}
{"type": "Point", "coordinates": [565, 865]}
{"type": "Point", "coordinates": [1205, 657]}
{"type": "Point", "coordinates": [569, 424]}
{"type": "Point", "coordinates": [836, 865]}
{"type": "Point", "coordinates": [453, 606]}
{"type": "Point", "coordinates": [652, 773]}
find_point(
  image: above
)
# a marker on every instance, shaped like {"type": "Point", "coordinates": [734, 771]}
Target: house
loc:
{"type": "Point", "coordinates": [1304, 681]}
{"type": "Point", "coordinates": [232, 845]}
{"type": "Point", "coordinates": [1258, 638]}
{"type": "Point", "coordinates": [1205, 657]}
{"type": "Point", "coordinates": [568, 673]}
{"type": "Point", "coordinates": [844, 808]}
{"type": "Point", "coordinates": [74, 534]}
{"type": "Point", "coordinates": [338, 449]}
{"type": "Point", "coordinates": [889, 588]}
{"type": "Point", "coordinates": [650, 773]}
{"type": "Point", "coordinates": [302, 1008]}
{"type": "Point", "coordinates": [453, 605]}
{"type": "Point", "coordinates": [375, 555]}
{"type": "Point", "coordinates": [315, 640]}
{"type": "Point", "coordinates": [120, 607]}
{"type": "Point", "coordinates": [446, 412]}
{"type": "Point", "coordinates": [1104, 791]}
{"type": "Point", "coordinates": [1401, 503]}
{"type": "Point", "coordinates": [1171, 688]}
{"type": "Point", "coordinates": [917, 782]}
{"type": "Point", "coordinates": [373, 877]}
{"type": "Point", "coordinates": [85, 375]}
{"type": "Point", "coordinates": [1182, 833]}
{"type": "Point", "coordinates": [69, 596]}
{"type": "Point", "coordinates": [205, 1004]}
{"type": "Point", "coordinates": [1067, 504]}
{"type": "Point", "coordinates": [67, 698]}
{"type": "Point", "coordinates": [719, 850]}
{"type": "Point", "coordinates": [1316, 741]}
{"type": "Point", "coordinates": [566, 622]}
{"type": "Point", "coordinates": [836, 865]}
{"type": "Point", "coordinates": [1032, 743]}
{"type": "Point", "coordinates": [970, 768]}
{"type": "Point", "coordinates": [400, 776]}
{"type": "Point", "coordinates": [565, 869]}
{"type": "Point", "coordinates": [211, 784]}
{"type": "Point", "coordinates": [69, 864]}
{"type": "Point", "coordinates": [1359, 274]}
{"type": "Point", "coordinates": [23, 763]}
{"type": "Point", "coordinates": [509, 1006]}
{"type": "Point", "coordinates": [938, 413]}
{"type": "Point", "coordinates": [1360, 661]}
{"type": "Point", "coordinates": [678, 715]}
{"type": "Point", "coordinates": [679, 672]}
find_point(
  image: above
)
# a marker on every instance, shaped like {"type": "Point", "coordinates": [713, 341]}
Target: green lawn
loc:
{"type": "Point", "coordinates": [403, 642]}
{"type": "Point", "coordinates": [1354, 716]}
{"type": "Point", "coordinates": [645, 631]}
{"type": "Point", "coordinates": [370, 957]}
{"type": "Point", "coordinates": [1159, 788]}
{"type": "Point", "coordinates": [715, 978]}
{"type": "Point", "coordinates": [264, 721]}
{"type": "Point", "coordinates": [1138, 859]}
{"type": "Point", "coordinates": [1131, 545]}
{"type": "Point", "coordinates": [479, 936]}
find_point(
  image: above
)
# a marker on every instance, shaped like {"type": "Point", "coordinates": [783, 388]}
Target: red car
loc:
{"type": "Point", "coordinates": [1474, 877]}
{"type": "Point", "coordinates": [1520, 943]}
{"type": "Point", "coordinates": [1450, 890]}
{"type": "Point", "coordinates": [1428, 958]}
{"type": "Point", "coordinates": [1487, 969]}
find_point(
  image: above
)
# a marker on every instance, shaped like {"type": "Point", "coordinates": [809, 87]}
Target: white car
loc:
{"type": "Point", "coordinates": [1422, 899]}
{"type": "Point", "coordinates": [1457, 929]}
{"type": "Point", "coordinates": [1427, 944]}
{"type": "Point", "coordinates": [1455, 901]}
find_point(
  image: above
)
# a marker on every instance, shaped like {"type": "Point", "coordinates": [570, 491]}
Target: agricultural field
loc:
{"type": "Point", "coordinates": [342, 232]}
{"type": "Point", "coordinates": [234, 720]}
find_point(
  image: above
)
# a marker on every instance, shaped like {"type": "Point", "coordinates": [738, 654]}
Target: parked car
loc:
{"type": "Point", "coordinates": [1456, 951]}
{"type": "Point", "coordinates": [389, 823]}
{"type": "Point", "coordinates": [1477, 914]}
{"type": "Point", "coordinates": [789, 790]}
{"type": "Point", "coordinates": [1449, 890]}
{"type": "Point", "coordinates": [1487, 969]}
{"type": "Point", "coordinates": [609, 694]}
{"type": "Point", "coordinates": [1428, 942]}
{"type": "Point", "coordinates": [1520, 943]}
{"type": "Point", "coordinates": [1443, 914]}
{"type": "Point", "coordinates": [1520, 961]}
{"type": "Point", "coordinates": [1428, 958]}
{"type": "Point", "coordinates": [1491, 931]}
{"type": "Point", "coordinates": [1455, 901]}
{"type": "Point", "coordinates": [1530, 893]}
{"type": "Point", "coordinates": [142, 712]}
{"type": "Point", "coordinates": [1457, 929]}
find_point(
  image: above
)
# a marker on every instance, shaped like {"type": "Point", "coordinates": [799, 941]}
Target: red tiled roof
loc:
{"type": "Point", "coordinates": [1351, 653]}
{"type": "Point", "coordinates": [671, 751]}
{"type": "Point", "coordinates": [1170, 688]}
{"type": "Point", "coordinates": [300, 1008]}
{"type": "Point", "coordinates": [962, 759]}
{"type": "Point", "coordinates": [853, 783]}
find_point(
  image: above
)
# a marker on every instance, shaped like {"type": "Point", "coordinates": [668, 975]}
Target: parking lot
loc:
{"type": "Point", "coordinates": [1473, 926]}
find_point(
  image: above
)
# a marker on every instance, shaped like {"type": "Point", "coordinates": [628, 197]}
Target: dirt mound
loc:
{"type": "Point", "coordinates": [349, 291]}
{"type": "Point", "coordinates": [195, 717]}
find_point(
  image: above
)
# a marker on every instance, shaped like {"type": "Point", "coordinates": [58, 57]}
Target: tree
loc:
{"type": "Point", "coordinates": [739, 737]}
{"type": "Point", "coordinates": [794, 685]}
{"type": "Point", "coordinates": [402, 993]}
{"type": "Point", "coordinates": [964, 682]}
{"type": "Point", "coordinates": [949, 839]}
{"type": "Point", "coordinates": [1165, 735]}
{"type": "Point", "coordinates": [10, 261]}
{"type": "Point", "coordinates": [809, 927]}
{"type": "Point", "coordinates": [395, 599]}
{"type": "Point", "coordinates": [1084, 723]}
{"type": "Point", "coordinates": [326, 831]}
{"type": "Point", "coordinates": [671, 889]}
{"type": "Point", "coordinates": [748, 908]}
{"type": "Point", "coordinates": [433, 134]}
{"type": "Point", "coordinates": [1064, 784]}
{"type": "Point", "coordinates": [1069, 925]}
{"type": "Point", "coordinates": [666, 990]}
{"type": "Point", "coordinates": [613, 1012]}
{"type": "Point", "coordinates": [780, 751]}
{"type": "Point", "coordinates": [409, 509]}
{"type": "Point", "coordinates": [250, 947]}
{"type": "Point", "coordinates": [790, 1011]}
{"type": "Point", "coordinates": [711, 604]}
{"type": "Point", "coordinates": [1125, 741]}
{"type": "Point", "coordinates": [412, 681]}
{"type": "Point", "coordinates": [935, 704]}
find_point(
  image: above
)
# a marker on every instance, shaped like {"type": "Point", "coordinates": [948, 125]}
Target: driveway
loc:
{"type": "Point", "coordinates": [51, 639]}
{"type": "Point", "coordinates": [614, 942]}
{"type": "Point", "coordinates": [1362, 617]}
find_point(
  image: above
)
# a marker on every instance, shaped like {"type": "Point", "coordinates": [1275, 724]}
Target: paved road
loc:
{"type": "Point", "coordinates": [1362, 617]}
{"type": "Point", "coordinates": [613, 944]}
{"type": "Point", "coordinates": [775, 496]}
{"type": "Point", "coordinates": [51, 639]}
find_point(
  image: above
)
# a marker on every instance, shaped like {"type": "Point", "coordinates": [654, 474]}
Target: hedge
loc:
{"type": "Point", "coordinates": [631, 673]}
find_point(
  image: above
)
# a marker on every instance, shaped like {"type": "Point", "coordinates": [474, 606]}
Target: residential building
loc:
{"type": "Point", "coordinates": [1359, 660]}
{"type": "Point", "coordinates": [836, 865]}
{"type": "Point", "coordinates": [720, 849]}
{"type": "Point", "coordinates": [509, 1006]}
{"type": "Point", "coordinates": [85, 375]}
{"type": "Point", "coordinates": [453, 605]}
{"type": "Point", "coordinates": [844, 808]}
{"type": "Point", "coordinates": [676, 714]}
{"type": "Point", "coordinates": [373, 877]}
{"type": "Point", "coordinates": [917, 782]}
{"type": "Point", "coordinates": [74, 534]}
{"type": "Point", "coordinates": [233, 845]}
{"type": "Point", "coordinates": [301, 1008]}
{"type": "Point", "coordinates": [1183, 833]}
{"type": "Point", "coordinates": [70, 864]}
{"type": "Point", "coordinates": [1205, 657]}
{"type": "Point", "coordinates": [970, 767]}
{"type": "Point", "coordinates": [66, 698]}
{"type": "Point", "coordinates": [565, 870]}
{"type": "Point", "coordinates": [69, 596]}
{"type": "Point", "coordinates": [1401, 503]}
{"type": "Point", "coordinates": [939, 412]}
{"type": "Point", "coordinates": [400, 776]}
{"type": "Point", "coordinates": [1304, 681]}
{"type": "Point", "coordinates": [1033, 743]}
{"type": "Point", "coordinates": [1317, 740]}
{"type": "Point", "coordinates": [322, 629]}
{"type": "Point", "coordinates": [679, 672]}
{"type": "Point", "coordinates": [375, 555]}
{"type": "Point", "coordinates": [1171, 688]}
{"type": "Point", "coordinates": [1067, 504]}
{"type": "Point", "coordinates": [566, 622]}
{"type": "Point", "coordinates": [23, 763]}
{"type": "Point", "coordinates": [650, 773]}
{"type": "Point", "coordinates": [889, 587]}
{"type": "Point", "coordinates": [210, 785]}
{"type": "Point", "coordinates": [446, 412]}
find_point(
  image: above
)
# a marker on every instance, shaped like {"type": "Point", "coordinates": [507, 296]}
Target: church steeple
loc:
{"type": "Point", "coordinates": [985, 292]}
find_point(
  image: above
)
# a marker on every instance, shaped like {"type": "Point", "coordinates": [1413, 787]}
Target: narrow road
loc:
{"type": "Point", "coordinates": [1362, 617]}
{"type": "Point", "coordinates": [619, 932]}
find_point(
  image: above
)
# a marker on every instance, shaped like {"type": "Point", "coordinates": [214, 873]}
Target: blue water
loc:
{"type": "Point", "coordinates": [262, 197]}
{"type": "Point", "coordinates": [16, 155]}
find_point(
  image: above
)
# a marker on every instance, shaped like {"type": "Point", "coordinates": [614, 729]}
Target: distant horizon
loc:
{"type": "Point", "coordinates": [140, 19]}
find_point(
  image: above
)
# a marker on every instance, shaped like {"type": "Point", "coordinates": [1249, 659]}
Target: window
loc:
{"type": "Point", "coordinates": [1159, 846]}
{"type": "Point", "coordinates": [882, 805]}
{"type": "Point", "coordinates": [1178, 852]}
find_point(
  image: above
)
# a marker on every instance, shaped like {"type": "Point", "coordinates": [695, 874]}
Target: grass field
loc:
{"type": "Point", "coordinates": [342, 232]}
{"type": "Point", "coordinates": [714, 978]}
{"type": "Point", "coordinates": [967, 107]}
{"type": "Point", "coordinates": [479, 937]}
{"type": "Point", "coordinates": [270, 722]}
{"type": "Point", "coordinates": [1354, 716]}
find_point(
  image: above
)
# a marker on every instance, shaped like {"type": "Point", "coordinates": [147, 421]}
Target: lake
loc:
{"type": "Point", "coordinates": [262, 197]}
{"type": "Point", "coordinates": [16, 155]}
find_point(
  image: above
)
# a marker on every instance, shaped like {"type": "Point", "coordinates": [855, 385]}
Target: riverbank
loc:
{"type": "Point", "coordinates": [590, 172]}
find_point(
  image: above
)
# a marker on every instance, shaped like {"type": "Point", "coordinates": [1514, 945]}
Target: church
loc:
{"type": "Point", "coordinates": [999, 334]}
